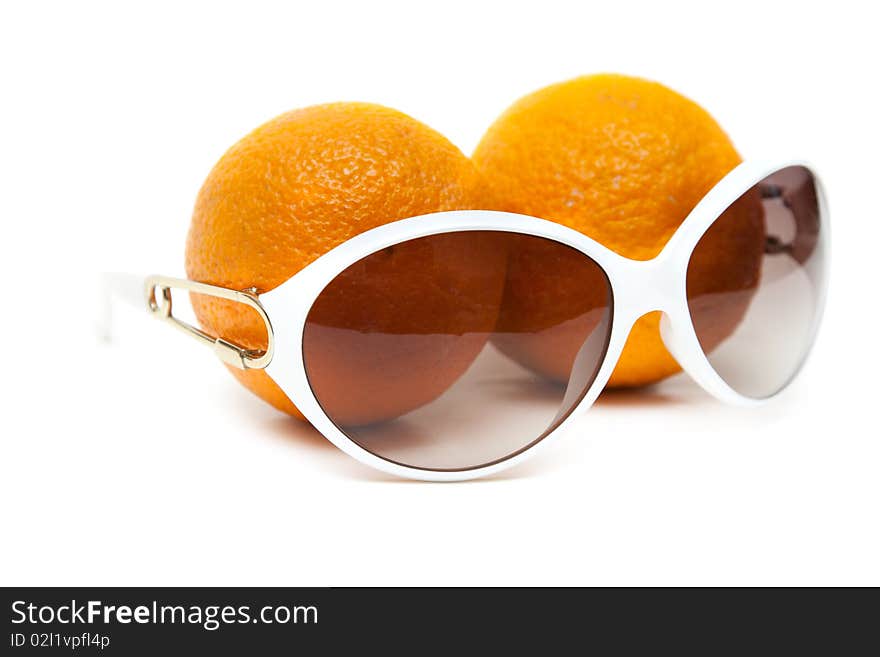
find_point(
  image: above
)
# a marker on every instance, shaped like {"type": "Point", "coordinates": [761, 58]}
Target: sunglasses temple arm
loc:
{"type": "Point", "coordinates": [797, 201]}
{"type": "Point", "coordinates": [154, 293]}
{"type": "Point", "coordinates": [116, 288]}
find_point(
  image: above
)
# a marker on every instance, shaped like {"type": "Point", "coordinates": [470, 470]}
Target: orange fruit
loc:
{"type": "Point", "coordinates": [623, 160]}
{"type": "Point", "coordinates": [302, 184]}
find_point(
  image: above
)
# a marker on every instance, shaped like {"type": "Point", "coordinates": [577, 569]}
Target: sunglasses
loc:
{"type": "Point", "coordinates": [452, 345]}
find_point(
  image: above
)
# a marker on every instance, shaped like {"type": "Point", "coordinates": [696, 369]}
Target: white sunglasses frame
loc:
{"type": "Point", "coordinates": [638, 287]}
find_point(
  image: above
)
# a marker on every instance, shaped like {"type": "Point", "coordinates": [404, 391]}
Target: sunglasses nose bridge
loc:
{"type": "Point", "coordinates": [646, 286]}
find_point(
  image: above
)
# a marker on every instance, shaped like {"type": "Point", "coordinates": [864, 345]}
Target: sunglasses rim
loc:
{"type": "Point", "coordinates": [637, 288]}
{"type": "Point", "coordinates": [531, 444]}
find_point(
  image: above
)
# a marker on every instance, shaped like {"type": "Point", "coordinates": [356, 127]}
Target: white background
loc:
{"type": "Point", "coordinates": [145, 463]}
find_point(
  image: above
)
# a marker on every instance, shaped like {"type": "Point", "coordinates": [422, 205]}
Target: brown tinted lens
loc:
{"type": "Point", "coordinates": [754, 282]}
{"type": "Point", "coordinates": [429, 353]}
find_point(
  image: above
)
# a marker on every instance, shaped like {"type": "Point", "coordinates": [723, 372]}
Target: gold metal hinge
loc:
{"type": "Point", "coordinates": [157, 290]}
